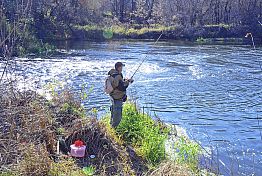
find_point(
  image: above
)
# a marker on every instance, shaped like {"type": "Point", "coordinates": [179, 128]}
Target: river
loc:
{"type": "Point", "coordinates": [213, 91]}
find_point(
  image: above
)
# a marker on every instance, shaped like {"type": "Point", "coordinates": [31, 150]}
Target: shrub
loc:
{"type": "Point", "coordinates": [200, 40]}
{"type": "Point", "coordinates": [88, 27]}
{"type": "Point", "coordinates": [143, 133]}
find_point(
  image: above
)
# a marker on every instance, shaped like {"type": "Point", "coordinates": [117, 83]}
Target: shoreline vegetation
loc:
{"type": "Point", "coordinates": [202, 34]}
{"type": "Point", "coordinates": [36, 134]}
{"type": "Point", "coordinates": [209, 34]}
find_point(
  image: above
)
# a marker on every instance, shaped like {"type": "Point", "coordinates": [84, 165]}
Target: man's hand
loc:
{"type": "Point", "coordinates": [130, 80]}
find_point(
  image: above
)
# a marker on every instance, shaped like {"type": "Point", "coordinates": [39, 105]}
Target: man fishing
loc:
{"type": "Point", "coordinates": [118, 95]}
{"type": "Point", "coordinates": [116, 86]}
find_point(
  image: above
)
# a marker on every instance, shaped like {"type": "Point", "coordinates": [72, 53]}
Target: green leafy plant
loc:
{"type": "Point", "coordinates": [66, 101]}
{"type": "Point", "coordinates": [60, 131]}
{"type": "Point", "coordinates": [85, 91]}
{"type": "Point", "coordinates": [89, 171]}
{"type": "Point", "coordinates": [53, 87]}
{"type": "Point", "coordinates": [94, 112]}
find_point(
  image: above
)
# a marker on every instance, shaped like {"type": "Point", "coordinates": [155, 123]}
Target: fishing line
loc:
{"type": "Point", "coordinates": [146, 56]}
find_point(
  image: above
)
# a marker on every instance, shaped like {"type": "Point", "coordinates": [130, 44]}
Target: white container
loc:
{"type": "Point", "coordinates": [78, 151]}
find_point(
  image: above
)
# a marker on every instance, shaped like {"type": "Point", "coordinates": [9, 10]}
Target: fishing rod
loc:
{"type": "Point", "coordinates": [146, 56]}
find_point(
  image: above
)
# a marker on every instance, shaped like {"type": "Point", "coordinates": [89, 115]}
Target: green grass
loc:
{"type": "Point", "coordinates": [66, 167]}
{"type": "Point", "coordinates": [132, 31]}
{"type": "Point", "coordinates": [148, 137]}
{"type": "Point", "coordinates": [126, 30]}
{"type": "Point", "coordinates": [88, 27]}
{"type": "Point", "coordinates": [143, 133]}
{"type": "Point", "coordinates": [187, 153]}
{"type": "Point", "coordinates": [89, 171]}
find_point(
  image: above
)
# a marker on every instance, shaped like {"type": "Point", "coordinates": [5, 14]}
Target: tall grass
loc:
{"type": "Point", "coordinates": [148, 136]}
{"type": "Point", "coordinates": [187, 153]}
{"type": "Point", "coordinates": [143, 133]}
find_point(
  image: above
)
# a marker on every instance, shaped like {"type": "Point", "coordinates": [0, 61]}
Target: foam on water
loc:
{"type": "Point", "coordinates": [46, 70]}
{"type": "Point", "coordinates": [196, 71]}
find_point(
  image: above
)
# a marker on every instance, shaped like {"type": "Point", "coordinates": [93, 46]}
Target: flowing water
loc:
{"type": "Point", "coordinates": [213, 91]}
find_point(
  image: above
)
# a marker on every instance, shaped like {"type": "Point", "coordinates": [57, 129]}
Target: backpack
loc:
{"type": "Point", "coordinates": [108, 88]}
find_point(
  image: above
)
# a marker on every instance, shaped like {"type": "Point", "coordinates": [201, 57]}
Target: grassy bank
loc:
{"type": "Point", "coordinates": [207, 34]}
{"type": "Point", "coordinates": [36, 134]}
{"type": "Point", "coordinates": [142, 133]}
{"type": "Point", "coordinates": [202, 34]}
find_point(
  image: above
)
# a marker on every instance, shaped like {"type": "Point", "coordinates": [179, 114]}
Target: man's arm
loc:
{"type": "Point", "coordinates": [119, 83]}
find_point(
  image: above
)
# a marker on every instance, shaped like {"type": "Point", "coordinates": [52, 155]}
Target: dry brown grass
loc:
{"type": "Point", "coordinates": [29, 134]}
{"type": "Point", "coordinates": [24, 121]}
{"type": "Point", "coordinates": [169, 168]}
{"type": "Point", "coordinates": [35, 161]}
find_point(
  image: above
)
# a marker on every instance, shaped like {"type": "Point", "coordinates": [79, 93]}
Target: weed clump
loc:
{"type": "Point", "coordinates": [143, 133]}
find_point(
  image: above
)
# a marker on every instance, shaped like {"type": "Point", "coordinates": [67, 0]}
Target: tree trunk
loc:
{"type": "Point", "coordinates": [150, 10]}
{"type": "Point", "coordinates": [121, 10]}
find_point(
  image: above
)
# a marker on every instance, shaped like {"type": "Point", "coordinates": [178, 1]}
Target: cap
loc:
{"type": "Point", "coordinates": [119, 64]}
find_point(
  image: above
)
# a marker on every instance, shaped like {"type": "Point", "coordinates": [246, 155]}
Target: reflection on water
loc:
{"type": "Point", "coordinates": [212, 91]}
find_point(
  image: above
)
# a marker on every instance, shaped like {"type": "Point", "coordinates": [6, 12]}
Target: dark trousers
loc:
{"type": "Point", "coordinates": [116, 112]}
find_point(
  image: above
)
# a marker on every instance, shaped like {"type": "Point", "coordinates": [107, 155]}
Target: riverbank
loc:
{"type": "Point", "coordinates": [204, 34]}
{"type": "Point", "coordinates": [38, 133]}
{"type": "Point", "coordinates": [41, 44]}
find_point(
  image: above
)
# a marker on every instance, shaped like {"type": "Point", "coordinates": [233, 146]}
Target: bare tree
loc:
{"type": "Point", "coordinates": [15, 16]}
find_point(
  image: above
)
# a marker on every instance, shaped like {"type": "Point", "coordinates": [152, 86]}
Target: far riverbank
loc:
{"type": "Point", "coordinates": [205, 34]}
